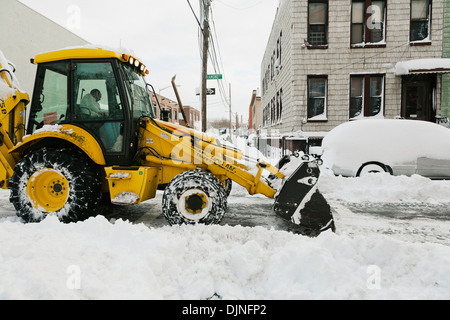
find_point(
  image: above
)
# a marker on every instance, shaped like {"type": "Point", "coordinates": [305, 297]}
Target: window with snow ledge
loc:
{"type": "Point", "coordinates": [420, 26]}
{"type": "Point", "coordinates": [317, 98]}
{"type": "Point", "coordinates": [366, 96]}
{"type": "Point", "coordinates": [368, 24]}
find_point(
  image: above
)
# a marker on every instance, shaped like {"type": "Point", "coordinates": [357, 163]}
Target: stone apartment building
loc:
{"type": "Point", "coordinates": [331, 61]}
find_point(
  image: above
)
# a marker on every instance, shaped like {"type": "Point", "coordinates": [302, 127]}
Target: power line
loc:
{"type": "Point", "coordinates": [241, 8]}
{"type": "Point", "coordinates": [216, 59]}
{"type": "Point", "coordinates": [196, 18]}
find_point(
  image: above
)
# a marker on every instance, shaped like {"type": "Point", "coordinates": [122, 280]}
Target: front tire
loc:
{"type": "Point", "coordinates": [59, 181]}
{"type": "Point", "coordinates": [194, 197]}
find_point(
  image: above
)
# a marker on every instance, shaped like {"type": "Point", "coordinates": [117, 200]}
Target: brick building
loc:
{"type": "Point", "coordinates": [255, 117]}
{"type": "Point", "coordinates": [331, 61]}
{"type": "Point", "coordinates": [166, 103]}
{"type": "Point", "coordinates": [193, 116]}
{"type": "Point", "coordinates": [175, 115]}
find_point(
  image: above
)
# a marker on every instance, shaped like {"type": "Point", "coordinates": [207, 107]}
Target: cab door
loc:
{"type": "Point", "coordinates": [100, 106]}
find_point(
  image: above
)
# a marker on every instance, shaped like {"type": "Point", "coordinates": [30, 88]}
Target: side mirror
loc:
{"type": "Point", "coordinates": [12, 66]}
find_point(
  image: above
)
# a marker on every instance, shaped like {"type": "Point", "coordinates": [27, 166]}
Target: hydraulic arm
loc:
{"type": "Point", "coordinates": [12, 121]}
{"type": "Point", "coordinates": [296, 195]}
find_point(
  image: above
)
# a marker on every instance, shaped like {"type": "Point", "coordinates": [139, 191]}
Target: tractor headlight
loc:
{"type": "Point", "coordinates": [131, 60]}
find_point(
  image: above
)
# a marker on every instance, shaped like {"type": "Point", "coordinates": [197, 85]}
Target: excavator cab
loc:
{"type": "Point", "coordinates": [106, 97]}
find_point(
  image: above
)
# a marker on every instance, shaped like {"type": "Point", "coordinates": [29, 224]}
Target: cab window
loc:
{"type": "Point", "coordinates": [96, 92]}
{"type": "Point", "coordinates": [138, 94]}
{"type": "Point", "coordinates": [50, 103]}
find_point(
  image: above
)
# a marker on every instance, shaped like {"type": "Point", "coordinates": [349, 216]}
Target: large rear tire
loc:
{"type": "Point", "coordinates": [194, 197]}
{"type": "Point", "coordinates": [59, 181]}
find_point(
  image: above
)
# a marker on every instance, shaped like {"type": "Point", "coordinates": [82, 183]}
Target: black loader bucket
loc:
{"type": "Point", "coordinates": [299, 200]}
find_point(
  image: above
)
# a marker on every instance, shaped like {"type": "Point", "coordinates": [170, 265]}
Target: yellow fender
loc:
{"type": "Point", "coordinates": [73, 134]}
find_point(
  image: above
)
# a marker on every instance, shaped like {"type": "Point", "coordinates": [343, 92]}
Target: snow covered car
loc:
{"type": "Point", "coordinates": [399, 147]}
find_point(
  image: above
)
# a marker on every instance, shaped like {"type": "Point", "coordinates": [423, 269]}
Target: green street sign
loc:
{"type": "Point", "coordinates": [214, 77]}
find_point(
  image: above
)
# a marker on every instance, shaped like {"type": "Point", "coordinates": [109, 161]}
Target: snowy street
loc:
{"type": "Point", "coordinates": [421, 222]}
{"type": "Point", "coordinates": [409, 220]}
{"type": "Point", "coordinates": [388, 245]}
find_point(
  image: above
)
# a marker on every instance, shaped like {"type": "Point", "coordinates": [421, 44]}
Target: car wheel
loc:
{"type": "Point", "coordinates": [372, 168]}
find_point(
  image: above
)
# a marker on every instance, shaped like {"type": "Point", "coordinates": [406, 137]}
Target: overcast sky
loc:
{"type": "Point", "coordinates": [164, 34]}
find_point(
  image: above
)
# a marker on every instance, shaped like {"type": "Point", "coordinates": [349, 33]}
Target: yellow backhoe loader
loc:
{"type": "Point", "coordinates": [90, 132]}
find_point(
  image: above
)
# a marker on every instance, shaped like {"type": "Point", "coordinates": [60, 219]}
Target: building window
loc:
{"type": "Point", "coordinates": [368, 23]}
{"type": "Point", "coordinates": [266, 115]}
{"type": "Point", "coordinates": [272, 66]}
{"type": "Point", "coordinates": [265, 84]}
{"type": "Point", "coordinates": [318, 23]}
{"type": "Point", "coordinates": [366, 96]}
{"type": "Point", "coordinates": [317, 98]}
{"type": "Point", "coordinates": [272, 111]}
{"type": "Point", "coordinates": [279, 48]}
{"type": "Point", "coordinates": [420, 20]}
{"type": "Point", "coordinates": [279, 105]}
{"type": "Point", "coordinates": [356, 96]}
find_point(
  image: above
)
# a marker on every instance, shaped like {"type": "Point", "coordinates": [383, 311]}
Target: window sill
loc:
{"type": "Point", "coordinates": [317, 121]}
{"type": "Point", "coordinates": [367, 45]}
{"type": "Point", "coordinates": [317, 47]}
{"type": "Point", "coordinates": [419, 43]}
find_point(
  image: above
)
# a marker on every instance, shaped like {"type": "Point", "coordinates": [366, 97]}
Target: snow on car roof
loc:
{"type": "Point", "coordinates": [387, 141]}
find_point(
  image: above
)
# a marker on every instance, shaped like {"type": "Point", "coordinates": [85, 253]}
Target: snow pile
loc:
{"type": "Point", "coordinates": [96, 259]}
{"type": "Point", "coordinates": [101, 259]}
{"type": "Point", "coordinates": [384, 188]}
{"type": "Point", "coordinates": [406, 67]}
{"type": "Point", "coordinates": [5, 89]}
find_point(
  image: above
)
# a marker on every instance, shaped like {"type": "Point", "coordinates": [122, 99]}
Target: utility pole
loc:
{"type": "Point", "coordinates": [237, 125]}
{"type": "Point", "coordinates": [205, 6]}
{"type": "Point", "coordinates": [231, 126]}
